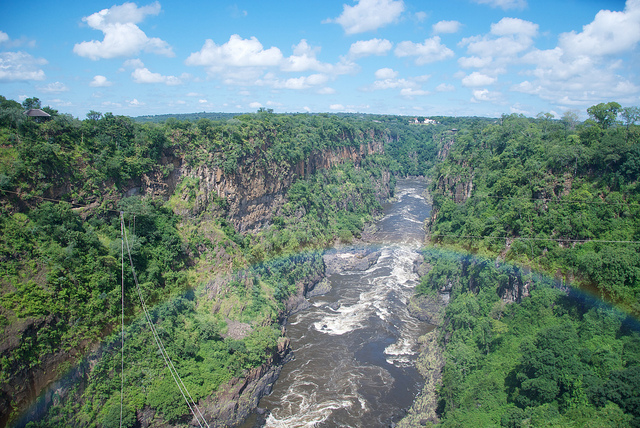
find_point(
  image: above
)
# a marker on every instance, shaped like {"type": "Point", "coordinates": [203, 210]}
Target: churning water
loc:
{"type": "Point", "coordinates": [354, 348]}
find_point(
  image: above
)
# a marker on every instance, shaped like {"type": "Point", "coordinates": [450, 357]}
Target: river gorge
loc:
{"type": "Point", "coordinates": [354, 348]}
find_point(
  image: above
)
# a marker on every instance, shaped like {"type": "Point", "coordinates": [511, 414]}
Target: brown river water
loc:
{"type": "Point", "coordinates": [354, 348]}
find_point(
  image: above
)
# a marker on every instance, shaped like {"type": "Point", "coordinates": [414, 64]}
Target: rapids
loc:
{"type": "Point", "coordinates": [354, 347]}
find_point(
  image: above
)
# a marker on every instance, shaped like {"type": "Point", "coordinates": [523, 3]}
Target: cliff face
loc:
{"type": "Point", "coordinates": [255, 192]}
{"type": "Point", "coordinates": [252, 194]}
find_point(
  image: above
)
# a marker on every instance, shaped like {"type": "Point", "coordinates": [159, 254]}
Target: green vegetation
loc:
{"type": "Point", "coordinates": [548, 195]}
{"type": "Point", "coordinates": [216, 295]}
{"type": "Point", "coordinates": [518, 194]}
{"type": "Point", "coordinates": [555, 359]}
{"type": "Point", "coordinates": [560, 198]}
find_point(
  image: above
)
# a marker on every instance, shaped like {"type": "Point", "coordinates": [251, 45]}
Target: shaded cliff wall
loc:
{"type": "Point", "coordinates": [255, 191]}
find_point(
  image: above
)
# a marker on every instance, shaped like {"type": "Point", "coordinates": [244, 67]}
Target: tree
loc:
{"type": "Point", "coordinates": [30, 103]}
{"type": "Point", "coordinates": [94, 115]}
{"type": "Point", "coordinates": [605, 114]}
{"type": "Point", "coordinates": [570, 118]}
{"type": "Point", "coordinates": [630, 115]}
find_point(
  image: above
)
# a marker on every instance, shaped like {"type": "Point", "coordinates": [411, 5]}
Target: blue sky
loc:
{"type": "Point", "coordinates": [408, 57]}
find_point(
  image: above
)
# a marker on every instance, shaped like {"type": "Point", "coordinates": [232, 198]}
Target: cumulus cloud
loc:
{"type": "Point", "coordinates": [574, 81]}
{"type": "Point", "coordinates": [387, 78]}
{"type": "Point", "coordinates": [514, 26]}
{"type": "Point", "coordinates": [248, 54]}
{"type": "Point", "coordinates": [445, 87]}
{"type": "Point", "coordinates": [582, 69]}
{"type": "Point", "coordinates": [609, 33]}
{"type": "Point", "coordinates": [255, 104]}
{"type": "Point", "coordinates": [429, 51]}
{"type": "Point", "coordinates": [4, 37]}
{"type": "Point", "coordinates": [412, 92]}
{"type": "Point", "coordinates": [504, 4]}
{"type": "Point", "coordinates": [100, 81]}
{"type": "Point", "coordinates": [296, 83]}
{"type": "Point", "coordinates": [54, 88]}
{"type": "Point", "coordinates": [143, 75]}
{"type": "Point", "coordinates": [480, 95]}
{"type": "Point", "coordinates": [20, 66]}
{"type": "Point", "coordinates": [304, 59]}
{"type": "Point", "coordinates": [244, 61]}
{"type": "Point", "coordinates": [336, 107]}
{"type": "Point", "coordinates": [122, 37]}
{"type": "Point", "coordinates": [368, 15]}
{"type": "Point", "coordinates": [477, 79]}
{"type": "Point", "coordinates": [135, 103]}
{"type": "Point", "coordinates": [502, 47]}
{"type": "Point", "coordinates": [364, 48]}
{"type": "Point", "coordinates": [386, 73]}
{"type": "Point", "coordinates": [446, 27]}
{"type": "Point", "coordinates": [474, 61]}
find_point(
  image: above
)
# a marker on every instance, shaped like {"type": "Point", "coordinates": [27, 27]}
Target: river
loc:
{"type": "Point", "coordinates": [354, 347]}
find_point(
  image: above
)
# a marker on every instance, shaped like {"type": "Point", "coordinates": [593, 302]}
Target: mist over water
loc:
{"type": "Point", "coordinates": [354, 348]}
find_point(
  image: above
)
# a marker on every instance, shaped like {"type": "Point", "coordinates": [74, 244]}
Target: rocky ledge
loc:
{"type": "Point", "coordinates": [343, 260]}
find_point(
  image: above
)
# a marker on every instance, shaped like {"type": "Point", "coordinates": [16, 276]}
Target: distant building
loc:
{"type": "Point", "coordinates": [425, 121]}
{"type": "Point", "coordinates": [37, 114]}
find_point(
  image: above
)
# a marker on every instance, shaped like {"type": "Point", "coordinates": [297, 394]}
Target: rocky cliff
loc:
{"type": "Point", "coordinates": [255, 191]}
{"type": "Point", "coordinates": [252, 194]}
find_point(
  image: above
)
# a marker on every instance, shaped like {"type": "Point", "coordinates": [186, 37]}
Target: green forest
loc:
{"type": "Point", "coordinates": [549, 205]}
{"type": "Point", "coordinates": [64, 206]}
{"type": "Point", "coordinates": [554, 208]}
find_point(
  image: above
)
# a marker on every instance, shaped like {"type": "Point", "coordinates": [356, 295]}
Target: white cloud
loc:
{"type": "Point", "coordinates": [610, 33]}
{"type": "Point", "coordinates": [100, 81]}
{"type": "Point", "coordinates": [514, 26]}
{"type": "Point", "coordinates": [239, 60]}
{"type": "Point", "coordinates": [474, 61]}
{"type": "Point", "coordinates": [244, 61]}
{"type": "Point", "coordinates": [304, 59]}
{"type": "Point", "coordinates": [445, 87]}
{"type": "Point", "coordinates": [54, 88]}
{"type": "Point", "coordinates": [326, 91]}
{"type": "Point", "coordinates": [477, 79]}
{"type": "Point", "coordinates": [203, 101]}
{"type": "Point", "coordinates": [515, 37]}
{"type": "Point", "coordinates": [13, 43]}
{"type": "Point", "coordinates": [336, 107]}
{"type": "Point", "coordinates": [421, 16]}
{"type": "Point", "coordinates": [122, 37]}
{"type": "Point", "coordinates": [111, 104]}
{"type": "Point", "coordinates": [386, 73]}
{"type": "Point", "coordinates": [504, 4]}
{"type": "Point", "coordinates": [480, 95]}
{"type": "Point", "coordinates": [237, 52]}
{"type": "Point", "coordinates": [296, 83]}
{"type": "Point", "coordinates": [411, 92]}
{"type": "Point", "coordinates": [135, 103]}
{"type": "Point", "coordinates": [307, 109]}
{"type": "Point", "coordinates": [447, 27]}
{"type": "Point", "coordinates": [581, 71]}
{"type": "Point", "coordinates": [429, 51]}
{"type": "Point", "coordinates": [368, 15]}
{"type": "Point", "coordinates": [255, 104]}
{"type": "Point", "coordinates": [143, 75]}
{"type": "Point", "coordinates": [20, 66]}
{"type": "Point", "coordinates": [574, 81]}
{"type": "Point", "coordinates": [194, 94]}
{"type": "Point", "coordinates": [364, 48]}
{"type": "Point", "coordinates": [133, 63]}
